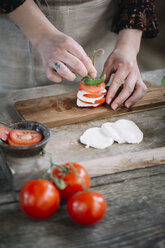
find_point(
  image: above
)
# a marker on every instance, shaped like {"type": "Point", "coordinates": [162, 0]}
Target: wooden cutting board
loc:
{"type": "Point", "coordinates": [61, 109]}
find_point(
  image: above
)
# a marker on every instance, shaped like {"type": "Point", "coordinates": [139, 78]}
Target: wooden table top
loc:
{"type": "Point", "coordinates": [136, 202]}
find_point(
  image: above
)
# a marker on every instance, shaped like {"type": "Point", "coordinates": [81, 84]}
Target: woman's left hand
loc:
{"type": "Point", "coordinates": [122, 61]}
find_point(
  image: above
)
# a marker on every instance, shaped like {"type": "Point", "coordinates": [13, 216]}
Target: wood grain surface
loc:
{"type": "Point", "coordinates": [125, 162]}
{"type": "Point", "coordinates": [135, 216]}
{"type": "Point", "coordinates": [61, 109]}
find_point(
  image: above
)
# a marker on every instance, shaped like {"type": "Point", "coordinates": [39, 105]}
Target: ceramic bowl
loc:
{"type": "Point", "coordinates": [24, 151]}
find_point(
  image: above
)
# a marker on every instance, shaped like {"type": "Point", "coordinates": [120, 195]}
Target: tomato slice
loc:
{"type": "Point", "coordinates": [99, 105]}
{"type": "Point", "coordinates": [24, 137]}
{"type": "Point", "coordinates": [92, 88]}
{"type": "Point", "coordinates": [4, 132]}
{"type": "Point", "coordinates": [100, 101]}
{"type": "Point", "coordinates": [94, 95]}
{"type": "Point", "coordinates": [11, 143]}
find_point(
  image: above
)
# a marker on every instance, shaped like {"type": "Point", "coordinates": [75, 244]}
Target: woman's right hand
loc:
{"type": "Point", "coordinates": [62, 57]}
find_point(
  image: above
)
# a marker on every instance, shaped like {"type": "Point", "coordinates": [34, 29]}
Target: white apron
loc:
{"type": "Point", "coordinates": [86, 21]}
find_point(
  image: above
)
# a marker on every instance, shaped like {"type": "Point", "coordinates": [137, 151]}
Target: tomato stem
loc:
{"type": "Point", "coordinates": [63, 170]}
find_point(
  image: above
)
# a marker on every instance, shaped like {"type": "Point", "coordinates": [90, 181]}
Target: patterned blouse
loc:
{"type": "Point", "coordinates": [133, 14]}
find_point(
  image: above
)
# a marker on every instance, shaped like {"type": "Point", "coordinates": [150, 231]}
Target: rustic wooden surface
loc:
{"type": "Point", "coordinates": [59, 110]}
{"type": "Point", "coordinates": [135, 216]}
{"type": "Point", "coordinates": [136, 198]}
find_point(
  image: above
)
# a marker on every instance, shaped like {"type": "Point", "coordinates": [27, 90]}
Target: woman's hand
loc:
{"type": "Point", "coordinates": [61, 54]}
{"type": "Point", "coordinates": [122, 61]}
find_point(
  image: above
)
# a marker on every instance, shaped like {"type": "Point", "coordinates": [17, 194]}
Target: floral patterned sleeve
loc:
{"type": "Point", "coordinates": [6, 6]}
{"type": "Point", "coordinates": [137, 14]}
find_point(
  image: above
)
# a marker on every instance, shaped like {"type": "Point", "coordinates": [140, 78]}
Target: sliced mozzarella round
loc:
{"type": "Point", "coordinates": [83, 104]}
{"type": "Point", "coordinates": [107, 129]}
{"type": "Point", "coordinates": [128, 131]}
{"type": "Point", "coordinates": [95, 138]}
{"type": "Point", "coordinates": [80, 95]}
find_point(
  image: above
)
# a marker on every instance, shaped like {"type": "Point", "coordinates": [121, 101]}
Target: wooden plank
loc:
{"type": "Point", "coordinates": [61, 109]}
{"type": "Point", "coordinates": [95, 167]}
{"type": "Point", "coordinates": [135, 218]}
{"type": "Point", "coordinates": [125, 162]}
{"type": "Point", "coordinates": [128, 175]}
{"type": "Point", "coordinates": [7, 196]}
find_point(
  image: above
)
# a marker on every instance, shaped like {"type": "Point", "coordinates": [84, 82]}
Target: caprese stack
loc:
{"type": "Point", "coordinates": [91, 92]}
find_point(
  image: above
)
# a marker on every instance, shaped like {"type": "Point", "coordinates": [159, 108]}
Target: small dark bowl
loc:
{"type": "Point", "coordinates": [26, 151]}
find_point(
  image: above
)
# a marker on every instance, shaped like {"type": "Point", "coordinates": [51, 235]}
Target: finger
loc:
{"type": "Point", "coordinates": [74, 63]}
{"type": "Point", "coordinates": [108, 72]}
{"type": "Point", "coordinates": [140, 90]}
{"type": "Point", "coordinates": [63, 70]}
{"type": "Point", "coordinates": [126, 91]}
{"type": "Point", "coordinates": [53, 76]}
{"type": "Point", "coordinates": [75, 49]}
{"type": "Point", "coordinates": [118, 79]}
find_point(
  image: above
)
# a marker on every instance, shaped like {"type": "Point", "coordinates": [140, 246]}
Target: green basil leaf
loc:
{"type": "Point", "coordinates": [163, 81]}
{"type": "Point", "coordinates": [90, 81]}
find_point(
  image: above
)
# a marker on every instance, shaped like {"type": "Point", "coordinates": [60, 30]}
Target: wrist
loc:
{"type": "Point", "coordinates": [129, 39]}
{"type": "Point", "coordinates": [32, 22]}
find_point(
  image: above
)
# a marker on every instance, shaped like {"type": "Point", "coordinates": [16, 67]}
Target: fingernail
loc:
{"type": "Point", "coordinates": [115, 106]}
{"type": "Point", "coordinates": [128, 105]}
{"type": "Point", "coordinates": [109, 100]}
{"type": "Point", "coordinates": [93, 74]}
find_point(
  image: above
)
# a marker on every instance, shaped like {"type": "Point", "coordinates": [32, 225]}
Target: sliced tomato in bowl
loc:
{"type": "Point", "coordinates": [11, 143]}
{"type": "Point", "coordinates": [21, 137]}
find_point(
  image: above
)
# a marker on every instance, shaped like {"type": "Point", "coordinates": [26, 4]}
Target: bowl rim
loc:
{"type": "Point", "coordinates": [4, 145]}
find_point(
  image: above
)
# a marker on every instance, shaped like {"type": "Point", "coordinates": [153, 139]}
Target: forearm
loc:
{"type": "Point", "coordinates": [33, 23]}
{"type": "Point", "coordinates": [130, 39]}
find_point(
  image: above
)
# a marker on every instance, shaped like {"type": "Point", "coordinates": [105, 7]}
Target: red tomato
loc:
{"type": "Point", "coordinates": [100, 101]}
{"type": "Point", "coordinates": [75, 181]}
{"type": "Point", "coordinates": [87, 208]}
{"type": "Point", "coordinates": [25, 137]}
{"type": "Point", "coordinates": [92, 88]}
{"type": "Point", "coordinates": [11, 143]}
{"type": "Point", "coordinates": [94, 95]}
{"type": "Point", "coordinates": [4, 132]}
{"type": "Point", "coordinates": [39, 199]}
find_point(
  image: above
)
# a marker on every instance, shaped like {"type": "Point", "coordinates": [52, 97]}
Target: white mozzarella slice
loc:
{"type": "Point", "coordinates": [104, 91]}
{"type": "Point", "coordinates": [128, 131]}
{"type": "Point", "coordinates": [83, 104]}
{"type": "Point", "coordinates": [107, 129]}
{"type": "Point", "coordinates": [81, 96]}
{"type": "Point", "coordinates": [95, 138]}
